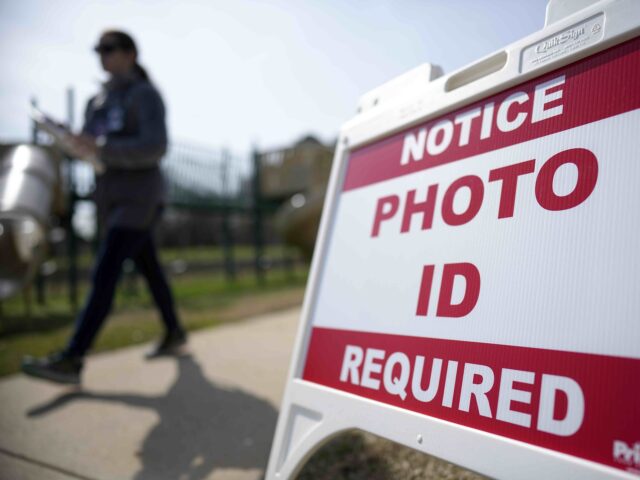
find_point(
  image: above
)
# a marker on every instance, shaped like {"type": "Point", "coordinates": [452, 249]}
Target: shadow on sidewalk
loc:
{"type": "Point", "coordinates": [202, 426]}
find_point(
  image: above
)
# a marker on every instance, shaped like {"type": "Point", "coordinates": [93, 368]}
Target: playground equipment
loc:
{"type": "Point", "coordinates": [29, 191]}
{"type": "Point", "coordinates": [298, 220]}
{"type": "Point", "coordinates": [294, 180]}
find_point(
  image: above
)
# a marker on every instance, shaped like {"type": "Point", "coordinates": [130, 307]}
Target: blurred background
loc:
{"type": "Point", "coordinates": [256, 92]}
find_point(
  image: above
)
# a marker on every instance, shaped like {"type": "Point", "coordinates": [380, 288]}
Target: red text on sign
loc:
{"type": "Point", "coordinates": [506, 178]}
{"type": "Point", "coordinates": [446, 305]}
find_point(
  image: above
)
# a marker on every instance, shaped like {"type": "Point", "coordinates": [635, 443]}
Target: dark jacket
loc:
{"type": "Point", "coordinates": [128, 118]}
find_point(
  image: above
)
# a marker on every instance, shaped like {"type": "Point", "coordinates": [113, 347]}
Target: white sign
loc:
{"type": "Point", "coordinates": [479, 280]}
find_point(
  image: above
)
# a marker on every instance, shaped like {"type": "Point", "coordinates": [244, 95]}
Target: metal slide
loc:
{"type": "Point", "coordinates": [29, 180]}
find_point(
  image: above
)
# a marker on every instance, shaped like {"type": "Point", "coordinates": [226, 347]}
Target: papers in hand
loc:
{"type": "Point", "coordinates": [62, 137]}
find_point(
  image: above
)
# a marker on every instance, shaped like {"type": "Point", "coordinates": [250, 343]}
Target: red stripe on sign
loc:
{"type": "Point", "coordinates": [574, 403]}
{"type": "Point", "coordinates": [598, 87]}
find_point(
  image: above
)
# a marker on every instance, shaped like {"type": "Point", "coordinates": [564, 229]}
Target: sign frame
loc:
{"type": "Point", "coordinates": [312, 414]}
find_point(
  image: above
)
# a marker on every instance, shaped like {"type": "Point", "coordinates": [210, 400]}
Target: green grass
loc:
{"type": "Point", "coordinates": [203, 301]}
{"type": "Point", "coordinates": [195, 254]}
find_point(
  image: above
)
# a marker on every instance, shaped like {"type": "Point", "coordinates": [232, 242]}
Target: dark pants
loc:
{"type": "Point", "coordinates": [120, 244]}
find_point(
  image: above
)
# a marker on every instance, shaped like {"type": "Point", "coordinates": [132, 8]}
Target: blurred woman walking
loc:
{"type": "Point", "coordinates": [125, 129]}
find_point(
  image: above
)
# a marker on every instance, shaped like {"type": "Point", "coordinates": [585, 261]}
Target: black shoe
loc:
{"type": "Point", "coordinates": [170, 345]}
{"type": "Point", "coordinates": [58, 367]}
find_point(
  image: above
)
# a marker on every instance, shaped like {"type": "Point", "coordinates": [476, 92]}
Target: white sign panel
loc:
{"type": "Point", "coordinates": [482, 268]}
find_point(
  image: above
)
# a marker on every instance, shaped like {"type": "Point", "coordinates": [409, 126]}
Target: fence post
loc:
{"type": "Point", "coordinates": [39, 280]}
{"type": "Point", "coordinates": [258, 233]}
{"type": "Point", "coordinates": [288, 261]}
{"type": "Point", "coordinates": [227, 234]}
{"type": "Point", "coordinates": [72, 241]}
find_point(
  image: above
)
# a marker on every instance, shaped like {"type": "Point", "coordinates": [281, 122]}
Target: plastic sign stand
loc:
{"type": "Point", "coordinates": [475, 291]}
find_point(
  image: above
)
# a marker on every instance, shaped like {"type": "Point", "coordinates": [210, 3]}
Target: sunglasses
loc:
{"type": "Point", "coordinates": [105, 49]}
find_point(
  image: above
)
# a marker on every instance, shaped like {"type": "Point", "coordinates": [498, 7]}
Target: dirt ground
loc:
{"type": "Point", "coordinates": [361, 456]}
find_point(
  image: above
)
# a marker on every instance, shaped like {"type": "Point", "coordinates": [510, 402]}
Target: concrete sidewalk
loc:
{"type": "Point", "coordinates": [207, 415]}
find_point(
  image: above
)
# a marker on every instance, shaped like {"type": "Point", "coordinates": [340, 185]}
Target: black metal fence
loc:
{"type": "Point", "coordinates": [216, 199]}
{"type": "Point", "coordinates": [213, 201]}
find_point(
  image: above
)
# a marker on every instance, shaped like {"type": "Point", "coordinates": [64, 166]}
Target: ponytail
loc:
{"type": "Point", "coordinates": [141, 72]}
